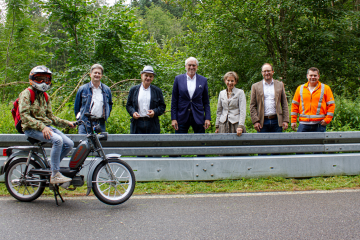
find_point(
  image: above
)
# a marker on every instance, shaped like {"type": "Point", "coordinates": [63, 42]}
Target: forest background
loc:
{"type": "Point", "coordinates": [68, 36]}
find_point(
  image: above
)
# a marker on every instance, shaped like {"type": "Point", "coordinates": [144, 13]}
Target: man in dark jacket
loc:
{"type": "Point", "coordinates": [190, 104]}
{"type": "Point", "coordinates": [145, 104]}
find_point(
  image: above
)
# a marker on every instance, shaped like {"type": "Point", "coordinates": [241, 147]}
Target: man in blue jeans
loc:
{"type": "Point", "coordinates": [95, 98]}
{"type": "Point", "coordinates": [268, 104]}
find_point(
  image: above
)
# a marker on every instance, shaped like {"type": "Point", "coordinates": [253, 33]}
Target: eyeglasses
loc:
{"type": "Point", "coordinates": [192, 65]}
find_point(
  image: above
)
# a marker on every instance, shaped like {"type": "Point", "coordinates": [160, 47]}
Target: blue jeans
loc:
{"type": "Point", "coordinates": [82, 130]}
{"type": "Point", "coordinates": [61, 145]}
{"type": "Point", "coordinates": [311, 128]}
{"type": "Point", "coordinates": [270, 125]}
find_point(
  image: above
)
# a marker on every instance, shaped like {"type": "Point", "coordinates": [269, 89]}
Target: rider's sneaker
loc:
{"type": "Point", "coordinates": [59, 178]}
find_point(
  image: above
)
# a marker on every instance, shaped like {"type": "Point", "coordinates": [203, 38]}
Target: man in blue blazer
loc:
{"type": "Point", "coordinates": [190, 100]}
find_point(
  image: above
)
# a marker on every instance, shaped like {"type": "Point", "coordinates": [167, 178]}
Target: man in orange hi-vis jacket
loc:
{"type": "Point", "coordinates": [314, 103]}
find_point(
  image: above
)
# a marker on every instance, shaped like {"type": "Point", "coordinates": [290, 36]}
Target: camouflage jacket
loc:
{"type": "Point", "coordinates": [37, 115]}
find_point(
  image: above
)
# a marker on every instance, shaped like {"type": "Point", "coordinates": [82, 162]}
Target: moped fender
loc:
{"type": "Point", "coordinates": [14, 156]}
{"type": "Point", "coordinates": [98, 160]}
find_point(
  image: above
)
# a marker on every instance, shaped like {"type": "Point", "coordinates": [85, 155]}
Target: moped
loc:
{"type": "Point", "coordinates": [27, 170]}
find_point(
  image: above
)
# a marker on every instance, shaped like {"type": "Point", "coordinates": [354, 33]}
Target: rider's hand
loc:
{"type": "Point", "coordinates": [174, 124]}
{"type": "Point", "coordinates": [293, 126]}
{"type": "Point", "coordinates": [47, 132]}
{"type": "Point", "coordinates": [72, 125]}
{"type": "Point", "coordinates": [136, 115]}
{"type": "Point", "coordinates": [285, 125]}
{"type": "Point", "coordinates": [323, 122]}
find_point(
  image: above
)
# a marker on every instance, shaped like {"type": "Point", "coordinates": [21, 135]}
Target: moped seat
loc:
{"type": "Point", "coordinates": [34, 141]}
{"type": "Point", "coordinates": [24, 147]}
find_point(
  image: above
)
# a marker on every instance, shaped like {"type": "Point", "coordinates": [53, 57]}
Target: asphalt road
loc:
{"type": "Point", "coordinates": [293, 215]}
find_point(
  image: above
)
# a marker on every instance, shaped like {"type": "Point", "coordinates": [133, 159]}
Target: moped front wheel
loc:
{"type": "Point", "coordinates": [17, 184]}
{"type": "Point", "coordinates": [117, 188]}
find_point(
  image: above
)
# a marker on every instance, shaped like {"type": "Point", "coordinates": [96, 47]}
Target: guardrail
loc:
{"type": "Point", "coordinates": [164, 166]}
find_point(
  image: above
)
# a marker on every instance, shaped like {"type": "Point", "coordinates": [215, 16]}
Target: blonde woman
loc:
{"type": "Point", "coordinates": [231, 108]}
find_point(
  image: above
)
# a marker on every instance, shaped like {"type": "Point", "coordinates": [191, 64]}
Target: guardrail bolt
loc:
{"type": "Point", "coordinates": [271, 167]}
{"type": "Point", "coordinates": [212, 164]}
{"type": "Point", "coordinates": [197, 165]}
{"type": "Point", "coordinates": [197, 175]}
{"type": "Point", "coordinates": [159, 170]}
{"type": "Point", "coordinates": [204, 170]}
{"type": "Point", "coordinates": [212, 175]}
{"type": "Point", "coordinates": [249, 168]}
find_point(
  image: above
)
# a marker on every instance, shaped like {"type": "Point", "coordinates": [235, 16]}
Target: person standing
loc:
{"type": "Point", "coordinates": [145, 104]}
{"type": "Point", "coordinates": [268, 104]}
{"type": "Point", "coordinates": [314, 103]}
{"type": "Point", "coordinates": [190, 104]}
{"type": "Point", "coordinates": [231, 108]}
{"type": "Point", "coordinates": [37, 119]}
{"type": "Point", "coordinates": [94, 98]}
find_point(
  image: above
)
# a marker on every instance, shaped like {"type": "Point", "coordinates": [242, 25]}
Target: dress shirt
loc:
{"type": "Point", "coordinates": [144, 101]}
{"type": "Point", "coordinates": [269, 98]}
{"type": "Point", "coordinates": [191, 85]}
{"type": "Point", "coordinates": [97, 102]}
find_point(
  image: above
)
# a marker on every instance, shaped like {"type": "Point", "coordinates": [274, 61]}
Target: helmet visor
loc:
{"type": "Point", "coordinates": [42, 78]}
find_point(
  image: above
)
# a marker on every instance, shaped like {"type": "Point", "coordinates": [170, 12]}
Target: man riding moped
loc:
{"type": "Point", "coordinates": [37, 120]}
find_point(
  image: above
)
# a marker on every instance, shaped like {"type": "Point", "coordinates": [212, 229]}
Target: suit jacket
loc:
{"type": "Point", "coordinates": [181, 104]}
{"type": "Point", "coordinates": [157, 104]}
{"type": "Point", "coordinates": [233, 109]}
{"type": "Point", "coordinates": [257, 106]}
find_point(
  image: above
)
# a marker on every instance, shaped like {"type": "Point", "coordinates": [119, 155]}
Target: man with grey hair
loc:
{"type": "Point", "coordinates": [190, 100]}
{"type": "Point", "coordinates": [94, 98]}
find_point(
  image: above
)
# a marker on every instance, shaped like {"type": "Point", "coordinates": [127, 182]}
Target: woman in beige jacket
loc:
{"type": "Point", "coordinates": [231, 109]}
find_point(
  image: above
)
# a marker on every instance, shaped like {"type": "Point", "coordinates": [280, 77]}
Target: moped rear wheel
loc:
{"type": "Point", "coordinates": [15, 181]}
{"type": "Point", "coordinates": [113, 191]}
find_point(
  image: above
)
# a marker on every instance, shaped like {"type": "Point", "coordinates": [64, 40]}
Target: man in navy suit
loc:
{"type": "Point", "coordinates": [190, 100]}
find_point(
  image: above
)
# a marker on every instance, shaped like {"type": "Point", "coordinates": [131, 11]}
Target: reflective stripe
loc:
{"type": "Point", "coordinates": [330, 114]}
{"type": "Point", "coordinates": [295, 102]}
{"type": "Point", "coordinates": [312, 116]}
{"type": "Point", "coordinates": [302, 99]}
{"type": "Point", "coordinates": [330, 102]}
{"type": "Point", "coordinates": [320, 99]}
{"type": "Point", "coordinates": [294, 113]}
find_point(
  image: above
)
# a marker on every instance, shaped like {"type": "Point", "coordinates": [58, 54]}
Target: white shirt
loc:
{"type": "Point", "coordinates": [97, 101]}
{"type": "Point", "coordinates": [144, 101]}
{"type": "Point", "coordinates": [269, 98]}
{"type": "Point", "coordinates": [191, 85]}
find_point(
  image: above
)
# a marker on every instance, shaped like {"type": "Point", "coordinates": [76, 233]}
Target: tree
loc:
{"type": "Point", "coordinates": [292, 35]}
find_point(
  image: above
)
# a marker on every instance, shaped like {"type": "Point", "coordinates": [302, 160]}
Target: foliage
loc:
{"type": "Point", "coordinates": [228, 186]}
{"type": "Point", "coordinates": [292, 35]}
{"type": "Point", "coordinates": [21, 45]}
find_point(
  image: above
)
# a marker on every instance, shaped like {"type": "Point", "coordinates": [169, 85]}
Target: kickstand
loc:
{"type": "Point", "coordinates": [57, 193]}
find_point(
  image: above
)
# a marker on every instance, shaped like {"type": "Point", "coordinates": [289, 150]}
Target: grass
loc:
{"type": "Point", "coordinates": [230, 186]}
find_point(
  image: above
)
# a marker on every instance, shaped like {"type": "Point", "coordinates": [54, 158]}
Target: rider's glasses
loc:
{"type": "Point", "coordinates": [42, 78]}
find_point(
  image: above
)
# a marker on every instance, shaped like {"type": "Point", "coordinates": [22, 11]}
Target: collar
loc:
{"type": "Point", "coordinates": [317, 86]}
{"type": "Point", "coordinates": [143, 88]}
{"type": "Point", "coordinates": [272, 82]}
{"type": "Point", "coordinates": [92, 85]}
{"type": "Point", "coordinates": [189, 78]}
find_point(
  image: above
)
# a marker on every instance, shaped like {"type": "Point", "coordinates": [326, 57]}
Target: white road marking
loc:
{"type": "Point", "coordinates": [210, 195]}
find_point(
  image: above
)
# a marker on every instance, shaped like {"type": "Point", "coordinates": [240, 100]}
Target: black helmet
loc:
{"type": "Point", "coordinates": [40, 71]}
